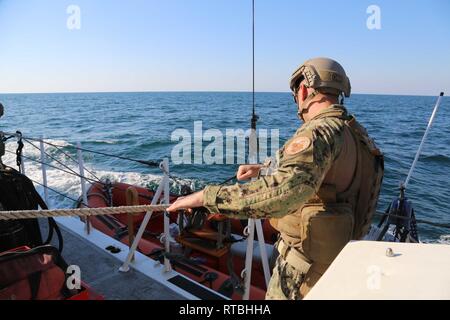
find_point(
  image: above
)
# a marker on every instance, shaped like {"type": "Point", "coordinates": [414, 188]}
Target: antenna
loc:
{"type": "Point", "coordinates": [2, 139]}
{"type": "Point", "coordinates": [430, 123]}
{"type": "Point", "coordinates": [254, 224]}
{"type": "Point", "coordinates": [254, 116]}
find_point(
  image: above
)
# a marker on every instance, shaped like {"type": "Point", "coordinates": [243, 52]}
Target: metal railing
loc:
{"type": "Point", "coordinates": [163, 190]}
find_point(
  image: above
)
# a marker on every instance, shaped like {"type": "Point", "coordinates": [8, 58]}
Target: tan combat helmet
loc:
{"type": "Point", "coordinates": [322, 74]}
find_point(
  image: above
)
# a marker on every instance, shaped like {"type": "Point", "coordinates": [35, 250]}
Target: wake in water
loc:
{"type": "Point", "coordinates": [444, 239]}
{"type": "Point", "coordinates": [69, 184]}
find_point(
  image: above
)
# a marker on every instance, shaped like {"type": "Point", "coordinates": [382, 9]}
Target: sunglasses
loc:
{"type": "Point", "coordinates": [297, 85]}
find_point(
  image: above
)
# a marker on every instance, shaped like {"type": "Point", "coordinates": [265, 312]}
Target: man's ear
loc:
{"type": "Point", "coordinates": [303, 92]}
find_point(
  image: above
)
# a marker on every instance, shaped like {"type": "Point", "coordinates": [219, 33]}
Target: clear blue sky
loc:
{"type": "Point", "coordinates": [202, 45]}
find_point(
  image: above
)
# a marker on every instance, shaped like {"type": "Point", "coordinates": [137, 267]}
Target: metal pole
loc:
{"type": "Point", "coordinates": [44, 169]}
{"type": "Point", "coordinates": [132, 200]}
{"type": "Point", "coordinates": [252, 159]}
{"type": "Point", "coordinates": [253, 60]}
{"type": "Point", "coordinates": [18, 135]}
{"type": "Point", "coordinates": [430, 122]}
{"type": "Point", "coordinates": [247, 272]}
{"type": "Point", "coordinates": [165, 164]}
{"type": "Point", "coordinates": [83, 186]}
{"type": "Point", "coordinates": [126, 265]}
{"type": "Point", "coordinates": [263, 252]}
{"type": "Point", "coordinates": [22, 165]}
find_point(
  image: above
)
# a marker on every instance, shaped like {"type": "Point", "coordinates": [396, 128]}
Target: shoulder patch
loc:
{"type": "Point", "coordinates": [298, 145]}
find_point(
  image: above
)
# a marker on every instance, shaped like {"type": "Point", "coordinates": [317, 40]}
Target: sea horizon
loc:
{"type": "Point", "coordinates": [210, 91]}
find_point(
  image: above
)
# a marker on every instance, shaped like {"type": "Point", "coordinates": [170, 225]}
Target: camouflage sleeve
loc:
{"type": "Point", "coordinates": [303, 163]}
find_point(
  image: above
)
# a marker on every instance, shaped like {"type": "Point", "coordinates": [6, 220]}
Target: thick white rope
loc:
{"type": "Point", "coordinates": [79, 212]}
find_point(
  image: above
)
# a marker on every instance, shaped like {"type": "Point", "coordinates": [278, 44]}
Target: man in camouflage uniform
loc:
{"type": "Point", "coordinates": [325, 188]}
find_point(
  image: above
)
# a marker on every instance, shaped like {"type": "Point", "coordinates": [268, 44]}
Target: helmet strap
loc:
{"type": "Point", "coordinates": [304, 107]}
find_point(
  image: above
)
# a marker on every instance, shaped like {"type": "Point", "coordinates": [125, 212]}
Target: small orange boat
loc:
{"type": "Point", "coordinates": [210, 252]}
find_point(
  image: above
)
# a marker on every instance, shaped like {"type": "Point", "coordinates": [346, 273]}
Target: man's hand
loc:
{"type": "Point", "coordinates": [194, 200]}
{"type": "Point", "coordinates": [248, 171]}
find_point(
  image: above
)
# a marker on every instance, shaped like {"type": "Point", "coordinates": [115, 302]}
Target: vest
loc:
{"type": "Point", "coordinates": [344, 205]}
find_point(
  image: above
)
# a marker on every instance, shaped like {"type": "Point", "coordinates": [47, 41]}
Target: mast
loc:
{"type": "Point", "coordinates": [253, 159]}
{"type": "Point", "coordinates": [254, 118]}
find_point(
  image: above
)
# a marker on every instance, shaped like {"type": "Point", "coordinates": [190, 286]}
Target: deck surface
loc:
{"type": "Point", "coordinates": [363, 270]}
{"type": "Point", "coordinates": [100, 270]}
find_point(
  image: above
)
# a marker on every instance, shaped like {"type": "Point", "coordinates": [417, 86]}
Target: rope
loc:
{"type": "Point", "coordinates": [228, 180]}
{"type": "Point", "coordinates": [154, 216]}
{"type": "Point", "coordinates": [79, 212]}
{"type": "Point", "coordinates": [55, 191]}
{"type": "Point", "coordinates": [57, 168]}
{"type": "Point", "coordinates": [146, 162]}
{"type": "Point", "coordinates": [53, 158]}
{"type": "Point", "coordinates": [19, 149]}
{"type": "Point", "coordinates": [151, 163]}
{"type": "Point", "coordinates": [65, 154]}
{"type": "Point", "coordinates": [73, 172]}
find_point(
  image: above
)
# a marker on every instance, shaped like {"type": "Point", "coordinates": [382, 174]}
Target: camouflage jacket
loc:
{"type": "Point", "coordinates": [303, 162]}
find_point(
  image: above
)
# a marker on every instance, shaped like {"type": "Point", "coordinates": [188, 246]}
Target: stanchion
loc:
{"type": "Point", "coordinates": [83, 186]}
{"type": "Point", "coordinates": [44, 169]}
{"type": "Point", "coordinates": [162, 186]}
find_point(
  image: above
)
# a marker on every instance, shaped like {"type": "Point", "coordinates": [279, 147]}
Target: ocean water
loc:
{"type": "Point", "coordinates": [139, 125]}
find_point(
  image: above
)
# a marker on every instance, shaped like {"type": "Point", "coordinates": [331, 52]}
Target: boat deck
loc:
{"type": "Point", "coordinates": [100, 271]}
{"type": "Point", "coordinates": [386, 271]}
